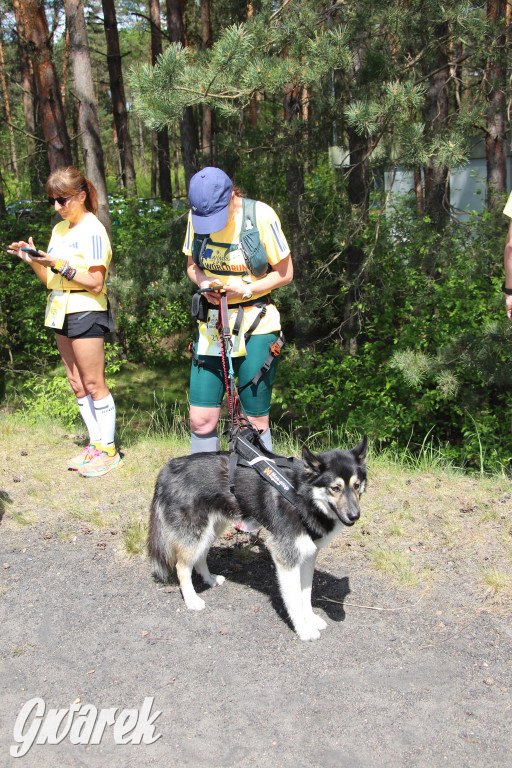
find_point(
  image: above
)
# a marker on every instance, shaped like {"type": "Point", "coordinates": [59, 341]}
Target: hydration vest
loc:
{"type": "Point", "coordinates": [251, 246]}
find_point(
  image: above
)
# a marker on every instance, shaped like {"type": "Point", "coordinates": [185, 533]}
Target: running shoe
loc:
{"type": "Point", "coordinates": [83, 458]}
{"type": "Point", "coordinates": [100, 465]}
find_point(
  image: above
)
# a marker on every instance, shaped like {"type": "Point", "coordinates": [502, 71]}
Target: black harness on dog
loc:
{"type": "Point", "coordinates": [245, 446]}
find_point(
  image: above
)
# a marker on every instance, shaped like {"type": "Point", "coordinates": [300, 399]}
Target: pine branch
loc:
{"type": "Point", "coordinates": [20, 130]}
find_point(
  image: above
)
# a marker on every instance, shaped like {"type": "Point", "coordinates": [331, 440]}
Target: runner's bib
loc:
{"type": "Point", "coordinates": [56, 306]}
{"type": "Point", "coordinates": [209, 342]}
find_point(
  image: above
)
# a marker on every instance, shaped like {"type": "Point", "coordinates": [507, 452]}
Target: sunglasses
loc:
{"type": "Point", "coordinates": [60, 200]}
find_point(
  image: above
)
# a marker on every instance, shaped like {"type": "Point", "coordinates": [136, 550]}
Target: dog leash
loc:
{"type": "Point", "coordinates": [245, 446]}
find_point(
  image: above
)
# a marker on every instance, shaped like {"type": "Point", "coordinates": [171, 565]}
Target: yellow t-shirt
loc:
{"type": "Point", "coordinates": [223, 259]}
{"type": "Point", "coordinates": [83, 246]}
{"type": "Point", "coordinates": [508, 207]}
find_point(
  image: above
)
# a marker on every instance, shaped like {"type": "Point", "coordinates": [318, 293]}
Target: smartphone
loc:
{"type": "Point", "coordinates": [212, 288]}
{"type": "Point", "coordinates": [32, 252]}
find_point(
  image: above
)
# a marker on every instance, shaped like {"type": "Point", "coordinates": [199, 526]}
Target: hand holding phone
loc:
{"type": "Point", "coordinates": [32, 252]}
{"type": "Point", "coordinates": [211, 288]}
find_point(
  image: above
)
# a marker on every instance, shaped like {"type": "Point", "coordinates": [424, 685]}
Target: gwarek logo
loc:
{"type": "Point", "coordinates": [81, 724]}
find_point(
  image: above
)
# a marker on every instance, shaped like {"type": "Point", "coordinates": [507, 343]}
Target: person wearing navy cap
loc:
{"type": "Point", "coordinates": [217, 212]}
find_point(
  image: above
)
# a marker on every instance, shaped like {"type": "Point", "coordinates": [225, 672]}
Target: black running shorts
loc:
{"type": "Point", "coordinates": [86, 325]}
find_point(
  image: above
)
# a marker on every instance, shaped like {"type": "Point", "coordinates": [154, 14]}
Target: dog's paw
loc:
{"type": "Point", "coordinates": [195, 603]}
{"type": "Point", "coordinates": [308, 632]}
{"type": "Point", "coordinates": [214, 581]}
{"type": "Point", "coordinates": [318, 622]}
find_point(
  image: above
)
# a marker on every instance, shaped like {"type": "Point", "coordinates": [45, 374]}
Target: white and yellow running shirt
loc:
{"type": "Point", "coordinates": [223, 259]}
{"type": "Point", "coordinates": [84, 246]}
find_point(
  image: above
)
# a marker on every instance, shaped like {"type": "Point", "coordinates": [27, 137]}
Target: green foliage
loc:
{"type": "Point", "coordinates": [245, 58]}
{"type": "Point", "coordinates": [49, 396]}
{"type": "Point", "coordinates": [22, 295]}
{"type": "Point", "coordinates": [433, 359]}
{"type": "Point", "coordinates": [151, 284]}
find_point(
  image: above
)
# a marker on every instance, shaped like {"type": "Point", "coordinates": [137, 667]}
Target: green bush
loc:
{"type": "Point", "coordinates": [49, 395]}
{"type": "Point", "coordinates": [435, 354]}
{"type": "Point", "coordinates": [152, 289]}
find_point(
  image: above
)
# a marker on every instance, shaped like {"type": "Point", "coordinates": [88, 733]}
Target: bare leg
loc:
{"type": "Point", "coordinates": [84, 361]}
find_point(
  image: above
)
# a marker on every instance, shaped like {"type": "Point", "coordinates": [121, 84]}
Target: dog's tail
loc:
{"type": "Point", "coordinates": [160, 545]}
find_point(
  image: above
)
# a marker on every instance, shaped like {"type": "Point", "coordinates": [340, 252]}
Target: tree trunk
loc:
{"type": "Point", "coordinates": [51, 114]}
{"type": "Point", "coordinates": [7, 106]}
{"type": "Point", "coordinates": [189, 143]}
{"type": "Point", "coordinates": [295, 186]}
{"type": "Point", "coordinates": [117, 159]}
{"type": "Point", "coordinates": [253, 104]}
{"type": "Point", "coordinates": [358, 196]}
{"type": "Point", "coordinates": [418, 190]}
{"type": "Point", "coordinates": [206, 42]}
{"type": "Point", "coordinates": [37, 160]}
{"type": "Point", "coordinates": [142, 152]}
{"type": "Point", "coordinates": [154, 164]}
{"type": "Point", "coordinates": [435, 113]}
{"type": "Point", "coordinates": [188, 127]}
{"type": "Point", "coordinates": [88, 121]}
{"type": "Point", "coordinates": [496, 73]}
{"type": "Point", "coordinates": [3, 210]}
{"type": "Point", "coordinates": [118, 96]}
{"type": "Point", "coordinates": [164, 164]}
{"type": "Point", "coordinates": [176, 160]}
{"type": "Point", "coordinates": [65, 67]}
{"type": "Point", "coordinates": [75, 151]}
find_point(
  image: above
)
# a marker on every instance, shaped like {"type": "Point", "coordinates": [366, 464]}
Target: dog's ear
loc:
{"type": "Point", "coordinates": [312, 464]}
{"type": "Point", "coordinates": [360, 450]}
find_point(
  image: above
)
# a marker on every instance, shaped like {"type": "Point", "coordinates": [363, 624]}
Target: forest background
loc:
{"type": "Point", "coordinates": [395, 322]}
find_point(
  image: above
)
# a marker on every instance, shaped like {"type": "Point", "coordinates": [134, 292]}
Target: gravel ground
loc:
{"type": "Point", "coordinates": [423, 681]}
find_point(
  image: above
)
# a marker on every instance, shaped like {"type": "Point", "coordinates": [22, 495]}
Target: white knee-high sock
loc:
{"type": "Point", "coordinates": [86, 408]}
{"type": "Point", "coordinates": [105, 410]}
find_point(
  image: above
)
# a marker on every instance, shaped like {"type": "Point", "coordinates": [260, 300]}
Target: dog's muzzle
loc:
{"type": "Point", "coordinates": [350, 513]}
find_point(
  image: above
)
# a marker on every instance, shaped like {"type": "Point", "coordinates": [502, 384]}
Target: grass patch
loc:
{"type": "Point", "coordinates": [406, 513]}
{"type": "Point", "coordinates": [395, 530]}
{"type": "Point", "coordinates": [491, 516]}
{"type": "Point", "coordinates": [92, 516]}
{"type": "Point", "coordinates": [497, 581]}
{"type": "Point", "coordinates": [22, 518]}
{"type": "Point", "coordinates": [394, 563]}
{"type": "Point", "coordinates": [135, 537]}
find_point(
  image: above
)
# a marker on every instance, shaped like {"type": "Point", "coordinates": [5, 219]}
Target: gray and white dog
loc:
{"type": "Point", "coordinates": [192, 505]}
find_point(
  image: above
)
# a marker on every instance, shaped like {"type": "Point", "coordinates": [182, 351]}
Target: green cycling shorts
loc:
{"type": "Point", "coordinates": [207, 386]}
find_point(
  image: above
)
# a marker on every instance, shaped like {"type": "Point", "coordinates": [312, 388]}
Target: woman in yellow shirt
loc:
{"type": "Point", "coordinates": [217, 213]}
{"type": "Point", "coordinates": [75, 269]}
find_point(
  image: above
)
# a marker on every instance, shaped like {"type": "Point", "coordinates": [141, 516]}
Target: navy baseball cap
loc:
{"type": "Point", "coordinates": [209, 194]}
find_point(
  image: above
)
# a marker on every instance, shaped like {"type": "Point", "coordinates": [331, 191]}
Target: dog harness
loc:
{"type": "Point", "coordinates": [245, 446]}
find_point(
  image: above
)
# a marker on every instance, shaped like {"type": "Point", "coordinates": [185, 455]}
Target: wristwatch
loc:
{"type": "Point", "coordinates": [248, 293]}
{"type": "Point", "coordinates": [506, 290]}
